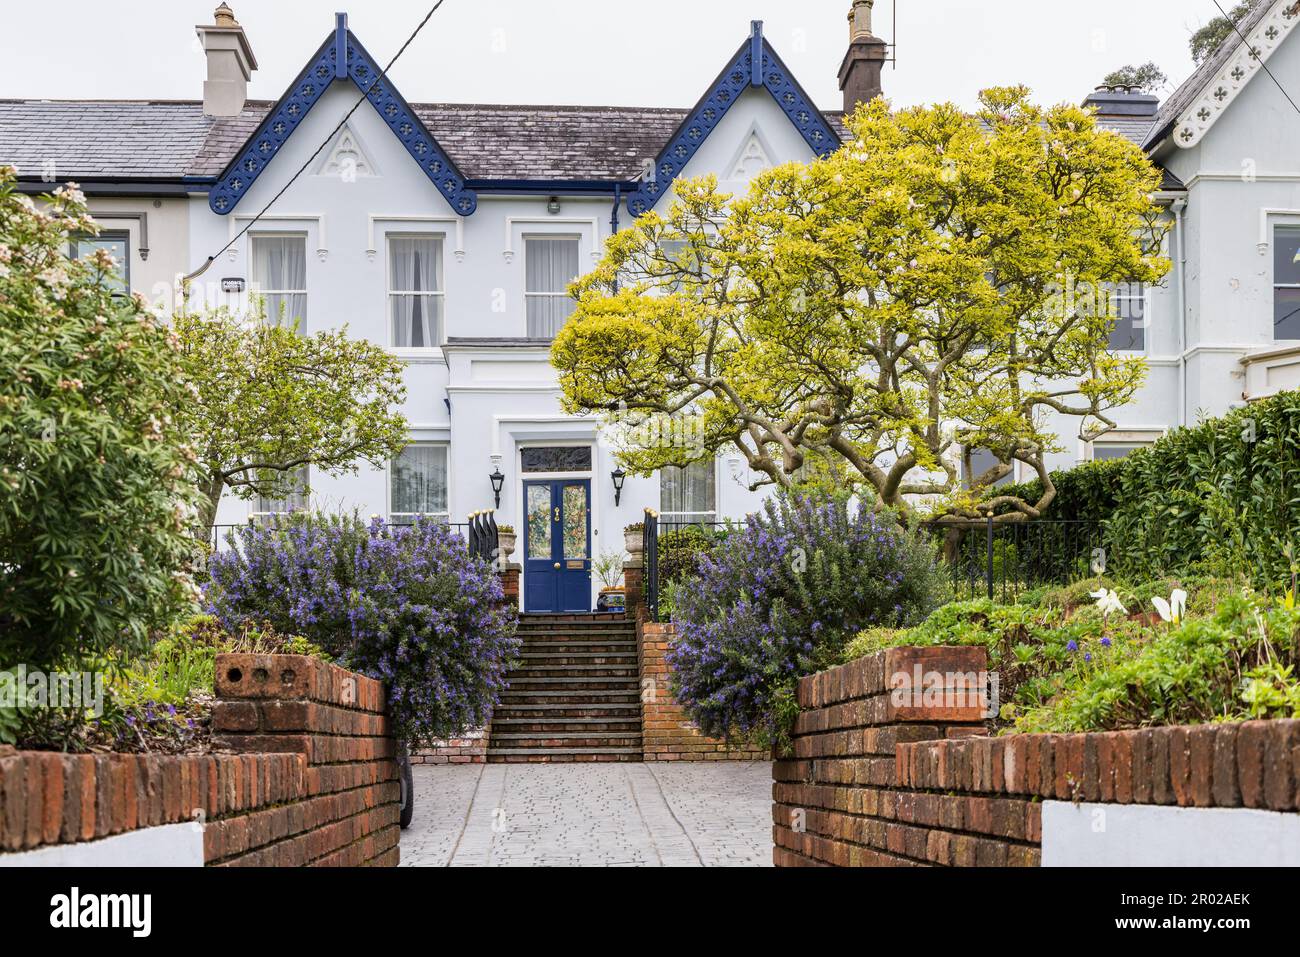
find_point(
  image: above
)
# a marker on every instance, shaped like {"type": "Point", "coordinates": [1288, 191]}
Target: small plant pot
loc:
{"type": "Point", "coordinates": [612, 599]}
{"type": "Point", "coordinates": [634, 542]}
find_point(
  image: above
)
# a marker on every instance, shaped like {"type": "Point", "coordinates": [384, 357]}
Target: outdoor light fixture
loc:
{"type": "Point", "coordinates": [498, 481]}
{"type": "Point", "coordinates": [618, 475]}
{"type": "Point", "coordinates": [553, 206]}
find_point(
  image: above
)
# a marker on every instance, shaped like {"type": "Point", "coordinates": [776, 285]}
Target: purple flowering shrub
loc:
{"type": "Point", "coordinates": [409, 606]}
{"type": "Point", "coordinates": [780, 598]}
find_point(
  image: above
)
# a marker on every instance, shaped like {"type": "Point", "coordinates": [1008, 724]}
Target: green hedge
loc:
{"type": "Point", "coordinates": [1222, 495]}
{"type": "Point", "coordinates": [1088, 493]}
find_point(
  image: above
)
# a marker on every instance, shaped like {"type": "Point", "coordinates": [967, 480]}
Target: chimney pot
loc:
{"type": "Point", "coordinates": [860, 19]}
{"type": "Point", "coordinates": [230, 64]}
{"type": "Point", "coordinates": [862, 66]}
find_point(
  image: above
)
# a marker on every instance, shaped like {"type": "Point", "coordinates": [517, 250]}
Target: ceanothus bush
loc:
{"type": "Point", "coordinates": [780, 597]}
{"type": "Point", "coordinates": [409, 606]}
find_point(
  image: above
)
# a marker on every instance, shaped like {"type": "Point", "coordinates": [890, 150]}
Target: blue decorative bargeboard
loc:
{"type": "Point", "coordinates": [311, 84]}
{"type": "Point", "coordinates": [744, 71]}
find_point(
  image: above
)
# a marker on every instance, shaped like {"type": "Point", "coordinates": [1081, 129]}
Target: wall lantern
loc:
{"type": "Point", "coordinates": [498, 481]}
{"type": "Point", "coordinates": [618, 475]}
{"type": "Point", "coordinates": [553, 206]}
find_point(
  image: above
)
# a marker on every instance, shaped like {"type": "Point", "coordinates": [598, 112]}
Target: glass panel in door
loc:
{"type": "Point", "coordinates": [539, 521]}
{"type": "Point", "coordinates": [574, 499]}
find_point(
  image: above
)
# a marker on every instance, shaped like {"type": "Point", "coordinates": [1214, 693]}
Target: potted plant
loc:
{"type": "Point", "coordinates": [608, 567]}
{"type": "Point", "coordinates": [506, 539]}
{"type": "Point", "coordinates": [634, 538]}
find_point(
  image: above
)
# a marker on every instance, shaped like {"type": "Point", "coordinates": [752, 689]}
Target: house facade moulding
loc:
{"type": "Point", "coordinates": [1225, 86]}
{"type": "Point", "coordinates": [340, 57]}
{"type": "Point", "coordinates": [755, 65]}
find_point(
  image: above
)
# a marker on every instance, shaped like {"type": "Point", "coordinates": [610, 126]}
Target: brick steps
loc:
{"type": "Point", "coordinates": [569, 655]}
{"type": "Point", "coordinates": [561, 755]}
{"type": "Point", "coordinates": [574, 695]}
{"type": "Point", "coordinates": [577, 673]}
{"type": "Point", "coordinates": [538, 713]}
{"type": "Point", "coordinates": [561, 725]}
{"type": "Point", "coordinates": [570, 740]}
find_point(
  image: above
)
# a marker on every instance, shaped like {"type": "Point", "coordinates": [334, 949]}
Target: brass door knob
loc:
{"type": "Point", "coordinates": [557, 564]}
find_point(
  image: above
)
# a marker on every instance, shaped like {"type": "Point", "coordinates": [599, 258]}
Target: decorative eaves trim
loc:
{"type": "Point", "coordinates": [755, 64]}
{"type": "Point", "coordinates": [1222, 89]}
{"type": "Point", "coordinates": [263, 146]}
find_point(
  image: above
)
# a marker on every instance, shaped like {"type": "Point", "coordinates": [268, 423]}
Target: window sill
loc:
{"type": "Point", "coordinates": [413, 352]}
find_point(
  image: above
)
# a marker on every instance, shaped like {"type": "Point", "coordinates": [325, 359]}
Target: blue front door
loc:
{"type": "Point", "coordinates": [557, 546]}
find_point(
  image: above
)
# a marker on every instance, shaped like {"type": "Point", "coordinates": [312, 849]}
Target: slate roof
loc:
{"type": "Point", "coordinates": [173, 139]}
{"type": "Point", "coordinates": [146, 140]}
{"type": "Point", "coordinates": [1186, 94]}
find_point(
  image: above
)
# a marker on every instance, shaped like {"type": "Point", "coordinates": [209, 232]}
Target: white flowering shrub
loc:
{"type": "Point", "coordinates": [96, 483]}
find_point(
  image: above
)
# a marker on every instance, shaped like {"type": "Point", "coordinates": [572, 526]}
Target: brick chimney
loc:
{"type": "Point", "coordinates": [860, 71]}
{"type": "Point", "coordinates": [1123, 101]}
{"type": "Point", "coordinates": [230, 64]}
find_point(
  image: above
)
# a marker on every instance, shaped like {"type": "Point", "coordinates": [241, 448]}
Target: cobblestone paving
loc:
{"type": "Point", "coordinates": [603, 815]}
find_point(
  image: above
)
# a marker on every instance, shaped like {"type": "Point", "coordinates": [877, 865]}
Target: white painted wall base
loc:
{"type": "Point", "coordinates": [172, 845]}
{"type": "Point", "coordinates": [1130, 835]}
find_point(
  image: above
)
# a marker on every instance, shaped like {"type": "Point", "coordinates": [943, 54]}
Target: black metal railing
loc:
{"type": "Point", "coordinates": [985, 559]}
{"type": "Point", "coordinates": [480, 533]}
{"type": "Point", "coordinates": [1001, 562]}
{"type": "Point", "coordinates": [484, 539]}
{"type": "Point", "coordinates": [650, 564]}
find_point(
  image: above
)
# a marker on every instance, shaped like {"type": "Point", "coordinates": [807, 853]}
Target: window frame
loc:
{"type": "Point", "coordinates": [1278, 227]}
{"type": "Point", "coordinates": [527, 238]}
{"type": "Point", "coordinates": [440, 238]}
{"type": "Point", "coordinates": [253, 239]}
{"type": "Point", "coordinates": [676, 518]}
{"type": "Point", "coordinates": [1116, 298]}
{"type": "Point", "coordinates": [117, 235]}
{"type": "Point", "coordinates": [260, 515]}
{"type": "Point", "coordinates": [409, 518]}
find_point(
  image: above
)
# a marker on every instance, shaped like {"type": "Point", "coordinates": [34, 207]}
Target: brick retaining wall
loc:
{"type": "Point", "coordinates": [666, 733]}
{"type": "Point", "coordinates": [875, 784]}
{"type": "Point", "coordinates": [308, 776]}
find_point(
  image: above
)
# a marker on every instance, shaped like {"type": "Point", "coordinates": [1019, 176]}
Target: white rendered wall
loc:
{"type": "Point", "coordinates": [1132, 835]}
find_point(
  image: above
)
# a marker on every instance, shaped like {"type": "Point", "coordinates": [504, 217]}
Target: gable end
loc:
{"type": "Point", "coordinates": [307, 89]}
{"type": "Point", "coordinates": [755, 64]}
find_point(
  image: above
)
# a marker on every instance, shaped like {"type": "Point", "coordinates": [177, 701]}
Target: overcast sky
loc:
{"type": "Point", "coordinates": [617, 52]}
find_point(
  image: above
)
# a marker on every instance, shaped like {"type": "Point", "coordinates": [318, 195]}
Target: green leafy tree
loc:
{"type": "Point", "coordinates": [96, 479]}
{"type": "Point", "coordinates": [1209, 37]}
{"type": "Point", "coordinates": [266, 401]}
{"type": "Point", "coordinates": [1146, 77]}
{"type": "Point", "coordinates": [940, 284]}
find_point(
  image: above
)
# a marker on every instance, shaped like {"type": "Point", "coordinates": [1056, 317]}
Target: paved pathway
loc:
{"type": "Point", "coordinates": [640, 815]}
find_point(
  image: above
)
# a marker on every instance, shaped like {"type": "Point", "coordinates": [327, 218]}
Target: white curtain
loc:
{"type": "Point", "coordinates": [689, 494]}
{"type": "Point", "coordinates": [296, 488]}
{"type": "Point", "coordinates": [549, 266]}
{"type": "Point", "coordinates": [415, 271]}
{"type": "Point", "coordinates": [419, 482]}
{"type": "Point", "coordinates": [280, 274]}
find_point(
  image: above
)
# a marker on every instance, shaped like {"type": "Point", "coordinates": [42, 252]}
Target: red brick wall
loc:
{"type": "Point", "coordinates": [311, 781]}
{"type": "Point", "coordinates": [666, 734]}
{"type": "Point", "coordinates": [875, 784]}
{"type": "Point", "coordinates": [470, 748]}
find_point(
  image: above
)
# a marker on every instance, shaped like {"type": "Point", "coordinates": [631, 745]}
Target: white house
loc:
{"type": "Point", "coordinates": [447, 233]}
